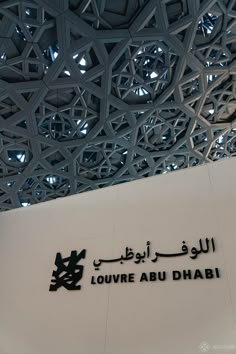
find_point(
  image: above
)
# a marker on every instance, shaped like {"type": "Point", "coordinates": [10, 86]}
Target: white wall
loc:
{"type": "Point", "coordinates": [171, 317]}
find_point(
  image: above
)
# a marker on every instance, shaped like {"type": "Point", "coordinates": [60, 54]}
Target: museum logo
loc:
{"type": "Point", "coordinates": [69, 272]}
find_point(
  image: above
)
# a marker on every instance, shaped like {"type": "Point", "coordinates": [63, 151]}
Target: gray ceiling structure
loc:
{"type": "Point", "coordinates": [99, 92]}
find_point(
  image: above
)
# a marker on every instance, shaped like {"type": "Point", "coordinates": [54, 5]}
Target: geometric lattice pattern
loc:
{"type": "Point", "coordinates": [99, 92]}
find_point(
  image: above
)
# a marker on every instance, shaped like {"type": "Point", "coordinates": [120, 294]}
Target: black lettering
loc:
{"type": "Point", "coordinates": [187, 274]}
{"type": "Point", "coordinates": [176, 275]}
{"type": "Point", "coordinates": [198, 274]}
{"type": "Point", "coordinates": [93, 280]}
{"type": "Point", "coordinates": [153, 276]}
{"type": "Point", "coordinates": [131, 278]}
{"type": "Point", "coordinates": [162, 276]}
{"type": "Point", "coordinates": [108, 279]}
{"type": "Point", "coordinates": [217, 273]}
{"type": "Point", "coordinates": [116, 278]}
{"type": "Point", "coordinates": [209, 273]}
{"type": "Point", "coordinates": [144, 277]}
{"type": "Point", "coordinates": [123, 278]}
{"type": "Point", "coordinates": [100, 279]}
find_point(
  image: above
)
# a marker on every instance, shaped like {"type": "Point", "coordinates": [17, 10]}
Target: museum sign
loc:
{"type": "Point", "coordinates": [69, 270]}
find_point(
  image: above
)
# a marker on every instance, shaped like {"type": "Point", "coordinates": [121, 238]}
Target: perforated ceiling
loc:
{"type": "Point", "coordinates": [99, 92]}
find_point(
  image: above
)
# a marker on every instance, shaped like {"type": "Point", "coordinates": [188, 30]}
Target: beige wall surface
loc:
{"type": "Point", "coordinates": [148, 317]}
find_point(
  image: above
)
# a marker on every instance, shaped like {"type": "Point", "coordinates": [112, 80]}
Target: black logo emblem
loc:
{"type": "Point", "coordinates": [68, 272]}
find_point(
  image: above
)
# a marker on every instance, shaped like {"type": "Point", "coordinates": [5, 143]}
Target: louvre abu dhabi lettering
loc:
{"type": "Point", "coordinates": [140, 257]}
{"type": "Point", "coordinates": [186, 274]}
